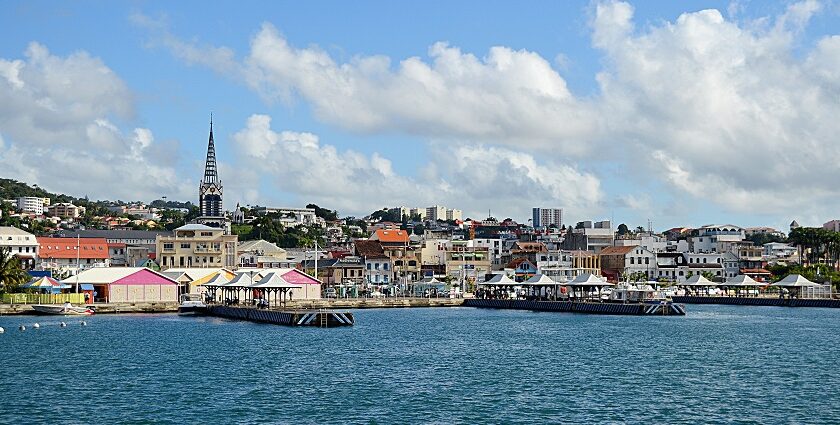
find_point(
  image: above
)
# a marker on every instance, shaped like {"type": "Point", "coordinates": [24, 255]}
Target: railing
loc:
{"type": "Point", "coordinates": [43, 298]}
{"type": "Point", "coordinates": [207, 250]}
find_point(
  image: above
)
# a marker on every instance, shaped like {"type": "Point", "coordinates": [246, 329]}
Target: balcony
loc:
{"type": "Point", "coordinates": [207, 251]}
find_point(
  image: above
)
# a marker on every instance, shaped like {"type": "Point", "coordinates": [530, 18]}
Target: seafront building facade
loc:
{"type": "Point", "coordinates": [197, 245]}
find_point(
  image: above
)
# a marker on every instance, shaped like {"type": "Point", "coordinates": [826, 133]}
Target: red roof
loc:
{"type": "Point", "coordinates": [93, 248]}
{"type": "Point", "coordinates": [400, 236]}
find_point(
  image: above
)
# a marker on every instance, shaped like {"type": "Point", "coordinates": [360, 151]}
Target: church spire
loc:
{"type": "Point", "coordinates": [210, 191]}
{"type": "Point", "coordinates": [210, 174]}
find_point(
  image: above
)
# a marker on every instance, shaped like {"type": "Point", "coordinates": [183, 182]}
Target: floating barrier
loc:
{"type": "Point", "coordinates": [657, 308]}
{"type": "Point", "coordinates": [760, 301]}
{"type": "Point", "coordinates": [318, 318]}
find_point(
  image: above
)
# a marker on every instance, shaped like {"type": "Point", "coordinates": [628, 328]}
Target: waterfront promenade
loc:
{"type": "Point", "coordinates": [340, 303]}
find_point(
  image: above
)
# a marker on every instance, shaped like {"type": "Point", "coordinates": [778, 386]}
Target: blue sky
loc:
{"type": "Point", "coordinates": [654, 110]}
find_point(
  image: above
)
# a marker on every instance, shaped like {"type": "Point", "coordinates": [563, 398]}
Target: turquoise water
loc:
{"type": "Point", "coordinates": [719, 364]}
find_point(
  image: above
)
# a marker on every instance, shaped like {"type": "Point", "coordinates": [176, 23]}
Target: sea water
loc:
{"type": "Point", "coordinates": [718, 364]}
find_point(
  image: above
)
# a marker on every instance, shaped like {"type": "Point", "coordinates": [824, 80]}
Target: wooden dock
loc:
{"type": "Point", "coordinates": [316, 318]}
{"type": "Point", "coordinates": [630, 309]}
{"type": "Point", "coordinates": [760, 301]}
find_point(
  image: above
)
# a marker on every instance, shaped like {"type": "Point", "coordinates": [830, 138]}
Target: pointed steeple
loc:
{"type": "Point", "coordinates": [210, 174]}
{"type": "Point", "coordinates": [210, 191]}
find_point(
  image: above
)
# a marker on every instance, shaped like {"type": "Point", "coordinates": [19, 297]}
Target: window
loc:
{"type": "Point", "coordinates": [631, 260]}
{"type": "Point", "coordinates": [385, 266]}
{"type": "Point", "coordinates": [169, 245]}
{"type": "Point", "coordinates": [647, 260]}
{"type": "Point", "coordinates": [369, 266]}
{"type": "Point", "coordinates": [186, 245]}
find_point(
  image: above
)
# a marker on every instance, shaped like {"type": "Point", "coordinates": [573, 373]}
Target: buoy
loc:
{"type": "Point", "coordinates": [63, 324]}
{"type": "Point", "coordinates": [84, 323]}
{"type": "Point", "coordinates": [2, 330]}
{"type": "Point", "coordinates": [36, 326]}
{"type": "Point", "coordinates": [21, 327]}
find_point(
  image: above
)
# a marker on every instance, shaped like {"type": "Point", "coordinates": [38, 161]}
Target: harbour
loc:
{"type": "Point", "coordinates": [723, 364]}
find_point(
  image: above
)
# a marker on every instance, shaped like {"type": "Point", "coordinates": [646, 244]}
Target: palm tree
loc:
{"type": "Point", "coordinates": [12, 274]}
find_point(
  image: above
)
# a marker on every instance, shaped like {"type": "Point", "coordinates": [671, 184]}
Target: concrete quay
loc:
{"type": "Point", "coordinates": [361, 303]}
{"type": "Point", "coordinates": [101, 308]}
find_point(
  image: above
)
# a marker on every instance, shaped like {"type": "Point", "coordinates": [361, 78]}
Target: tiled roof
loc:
{"type": "Point", "coordinates": [94, 248]}
{"type": "Point", "coordinates": [391, 236]}
{"type": "Point", "coordinates": [617, 250]}
{"type": "Point", "coordinates": [368, 248]}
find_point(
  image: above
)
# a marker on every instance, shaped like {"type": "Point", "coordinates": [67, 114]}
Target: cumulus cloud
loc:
{"type": "Point", "coordinates": [58, 119]}
{"type": "Point", "coordinates": [717, 110]}
{"type": "Point", "coordinates": [469, 177]}
{"type": "Point", "coordinates": [724, 113]}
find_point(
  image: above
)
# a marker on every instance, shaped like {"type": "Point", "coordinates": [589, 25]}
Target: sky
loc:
{"type": "Point", "coordinates": [682, 113]}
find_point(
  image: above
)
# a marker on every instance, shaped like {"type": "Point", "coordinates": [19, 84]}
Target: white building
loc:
{"type": "Point", "coordinates": [779, 250]}
{"type": "Point", "coordinates": [717, 238]}
{"type": "Point", "coordinates": [494, 249]}
{"type": "Point", "coordinates": [21, 244]}
{"type": "Point", "coordinates": [435, 213]}
{"type": "Point", "coordinates": [304, 216]}
{"type": "Point", "coordinates": [545, 217]}
{"type": "Point", "coordinates": [453, 214]}
{"type": "Point", "coordinates": [32, 204]}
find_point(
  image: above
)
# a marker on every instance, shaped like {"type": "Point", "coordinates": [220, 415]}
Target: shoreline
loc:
{"type": "Point", "coordinates": [342, 303]}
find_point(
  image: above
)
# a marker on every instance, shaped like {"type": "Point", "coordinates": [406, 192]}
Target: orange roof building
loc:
{"type": "Point", "coordinates": [391, 237]}
{"type": "Point", "coordinates": [66, 248]}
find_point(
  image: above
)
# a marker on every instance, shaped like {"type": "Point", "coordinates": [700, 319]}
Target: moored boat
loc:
{"type": "Point", "coordinates": [191, 305]}
{"type": "Point", "coordinates": [62, 310]}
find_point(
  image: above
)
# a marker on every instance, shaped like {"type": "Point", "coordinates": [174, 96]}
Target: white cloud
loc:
{"type": "Point", "coordinates": [509, 96]}
{"type": "Point", "coordinates": [717, 110]}
{"type": "Point", "coordinates": [470, 177]}
{"type": "Point", "coordinates": [724, 113]}
{"type": "Point", "coordinates": [57, 118]}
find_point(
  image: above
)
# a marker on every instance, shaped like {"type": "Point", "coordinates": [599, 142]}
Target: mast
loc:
{"type": "Point", "coordinates": [78, 263]}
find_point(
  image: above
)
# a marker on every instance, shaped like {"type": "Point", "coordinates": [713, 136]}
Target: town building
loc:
{"type": "Point", "coordinates": [127, 285]}
{"type": "Point", "coordinates": [65, 210]}
{"type": "Point", "coordinates": [545, 217]}
{"type": "Point", "coordinates": [378, 266]}
{"type": "Point", "coordinates": [21, 244]}
{"type": "Point", "coordinates": [197, 245]}
{"type": "Point", "coordinates": [717, 238]}
{"type": "Point", "coordinates": [297, 216]}
{"type": "Point", "coordinates": [620, 262]}
{"type": "Point", "coordinates": [833, 225]}
{"type": "Point", "coordinates": [261, 254]}
{"type": "Point", "coordinates": [467, 264]}
{"type": "Point", "coordinates": [72, 254]}
{"type": "Point", "coordinates": [589, 236]}
{"type": "Point", "coordinates": [435, 213]}
{"type": "Point", "coordinates": [454, 215]}
{"type": "Point", "coordinates": [32, 204]}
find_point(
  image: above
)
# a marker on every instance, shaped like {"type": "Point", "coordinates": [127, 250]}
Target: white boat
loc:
{"type": "Point", "coordinates": [64, 309]}
{"type": "Point", "coordinates": [191, 305]}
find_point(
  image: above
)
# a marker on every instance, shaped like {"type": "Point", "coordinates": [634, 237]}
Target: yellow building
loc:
{"type": "Point", "coordinates": [197, 246]}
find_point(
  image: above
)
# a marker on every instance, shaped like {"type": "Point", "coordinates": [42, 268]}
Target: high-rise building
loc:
{"type": "Point", "coordinates": [453, 214]}
{"type": "Point", "coordinates": [210, 190]}
{"type": "Point", "coordinates": [435, 213]}
{"type": "Point", "coordinates": [544, 217]}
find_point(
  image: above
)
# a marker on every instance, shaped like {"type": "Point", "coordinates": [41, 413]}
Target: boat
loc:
{"type": "Point", "coordinates": [62, 310]}
{"type": "Point", "coordinates": [191, 305]}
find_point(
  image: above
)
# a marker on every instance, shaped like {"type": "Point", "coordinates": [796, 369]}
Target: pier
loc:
{"type": "Point", "coordinates": [316, 318]}
{"type": "Point", "coordinates": [760, 301]}
{"type": "Point", "coordinates": [630, 309]}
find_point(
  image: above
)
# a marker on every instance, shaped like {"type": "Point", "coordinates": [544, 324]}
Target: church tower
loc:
{"type": "Point", "coordinates": [210, 190]}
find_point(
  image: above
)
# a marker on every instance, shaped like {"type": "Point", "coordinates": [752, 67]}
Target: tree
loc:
{"type": "Point", "coordinates": [622, 229]}
{"type": "Point", "coordinates": [328, 215]}
{"type": "Point", "coordinates": [12, 274]}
